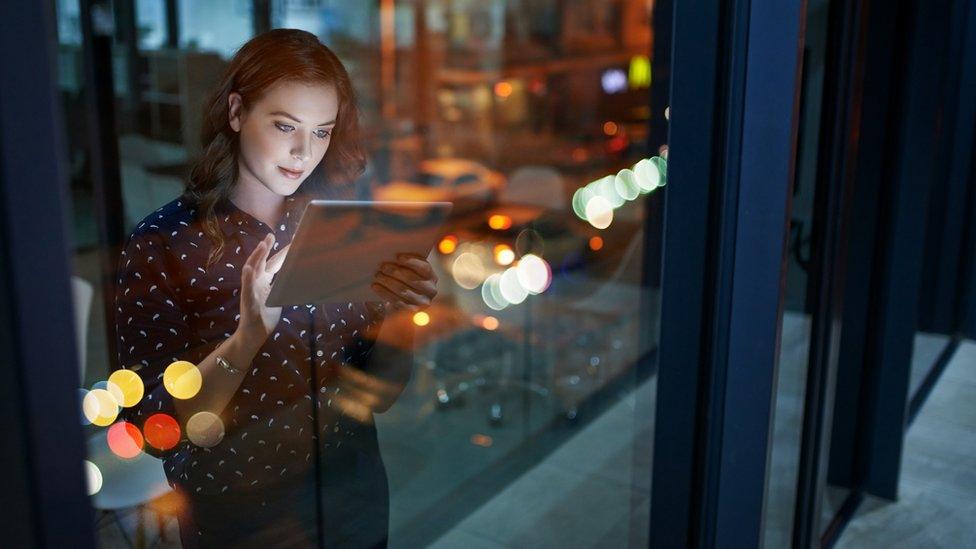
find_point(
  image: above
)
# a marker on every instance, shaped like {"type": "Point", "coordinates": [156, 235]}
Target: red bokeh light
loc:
{"type": "Point", "coordinates": [125, 440]}
{"type": "Point", "coordinates": [162, 431]}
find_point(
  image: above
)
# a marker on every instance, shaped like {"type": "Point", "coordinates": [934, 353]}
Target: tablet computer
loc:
{"type": "Point", "coordinates": [339, 246]}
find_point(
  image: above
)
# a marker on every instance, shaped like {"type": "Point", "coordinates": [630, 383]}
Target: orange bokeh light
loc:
{"type": "Point", "coordinates": [448, 244]}
{"type": "Point", "coordinates": [162, 431]}
{"type": "Point", "coordinates": [125, 440]}
{"type": "Point", "coordinates": [503, 89]}
{"type": "Point", "coordinates": [490, 323]}
{"type": "Point", "coordinates": [421, 319]}
{"type": "Point", "coordinates": [500, 222]}
{"type": "Point", "coordinates": [610, 128]}
{"type": "Point", "coordinates": [596, 243]}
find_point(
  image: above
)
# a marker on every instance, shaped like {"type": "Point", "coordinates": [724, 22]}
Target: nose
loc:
{"type": "Point", "coordinates": [302, 150]}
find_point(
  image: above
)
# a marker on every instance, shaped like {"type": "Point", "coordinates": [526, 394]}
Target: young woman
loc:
{"type": "Point", "coordinates": [278, 446]}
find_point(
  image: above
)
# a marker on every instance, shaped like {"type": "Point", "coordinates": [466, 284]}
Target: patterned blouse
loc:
{"type": "Point", "coordinates": [171, 307]}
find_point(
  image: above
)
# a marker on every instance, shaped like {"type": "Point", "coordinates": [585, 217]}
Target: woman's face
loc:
{"type": "Point", "coordinates": [284, 135]}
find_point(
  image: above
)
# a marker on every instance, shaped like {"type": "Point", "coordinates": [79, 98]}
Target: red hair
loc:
{"type": "Point", "coordinates": [267, 59]}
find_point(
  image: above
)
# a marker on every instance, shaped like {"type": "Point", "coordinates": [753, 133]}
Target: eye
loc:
{"type": "Point", "coordinates": [323, 134]}
{"type": "Point", "coordinates": [284, 127]}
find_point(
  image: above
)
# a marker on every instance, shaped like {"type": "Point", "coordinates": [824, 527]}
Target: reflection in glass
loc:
{"type": "Point", "coordinates": [532, 118]}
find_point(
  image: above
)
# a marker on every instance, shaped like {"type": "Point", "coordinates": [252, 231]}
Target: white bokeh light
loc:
{"type": "Point", "coordinates": [534, 274]}
{"type": "Point", "coordinates": [599, 212]}
{"type": "Point", "coordinates": [511, 288]}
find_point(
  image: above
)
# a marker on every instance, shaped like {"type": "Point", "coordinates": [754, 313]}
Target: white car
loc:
{"type": "Point", "coordinates": [468, 184]}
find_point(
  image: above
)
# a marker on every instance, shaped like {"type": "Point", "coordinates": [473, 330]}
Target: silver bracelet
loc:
{"type": "Point", "coordinates": [226, 365]}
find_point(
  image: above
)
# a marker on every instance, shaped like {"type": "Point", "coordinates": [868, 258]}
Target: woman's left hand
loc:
{"type": "Point", "coordinates": [409, 283]}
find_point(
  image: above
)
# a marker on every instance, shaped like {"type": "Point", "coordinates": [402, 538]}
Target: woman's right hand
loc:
{"type": "Point", "coordinates": [256, 317]}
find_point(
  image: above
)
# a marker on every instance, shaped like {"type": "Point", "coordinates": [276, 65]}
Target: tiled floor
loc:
{"type": "Point", "coordinates": [937, 500]}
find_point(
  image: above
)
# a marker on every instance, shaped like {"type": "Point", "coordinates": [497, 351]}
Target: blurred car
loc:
{"type": "Point", "coordinates": [468, 184]}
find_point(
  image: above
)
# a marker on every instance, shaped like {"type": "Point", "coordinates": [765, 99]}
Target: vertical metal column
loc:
{"type": "Point", "coordinates": [40, 374]}
{"type": "Point", "coordinates": [735, 90]}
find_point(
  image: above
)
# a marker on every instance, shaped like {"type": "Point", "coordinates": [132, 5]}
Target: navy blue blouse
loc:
{"type": "Point", "coordinates": [171, 307]}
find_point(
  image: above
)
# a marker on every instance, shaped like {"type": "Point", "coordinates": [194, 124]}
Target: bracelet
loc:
{"type": "Point", "coordinates": [226, 365]}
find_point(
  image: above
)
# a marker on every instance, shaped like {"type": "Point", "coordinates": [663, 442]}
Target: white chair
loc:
{"type": "Point", "coordinates": [82, 292]}
{"type": "Point", "coordinates": [126, 483]}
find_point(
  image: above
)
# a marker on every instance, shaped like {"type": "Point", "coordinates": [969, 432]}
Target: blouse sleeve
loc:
{"type": "Point", "coordinates": [151, 328]}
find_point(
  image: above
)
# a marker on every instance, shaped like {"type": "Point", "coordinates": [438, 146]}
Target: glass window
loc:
{"type": "Point", "coordinates": [517, 415]}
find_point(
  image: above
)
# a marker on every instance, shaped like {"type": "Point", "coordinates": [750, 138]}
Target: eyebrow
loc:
{"type": "Point", "coordinates": [283, 113]}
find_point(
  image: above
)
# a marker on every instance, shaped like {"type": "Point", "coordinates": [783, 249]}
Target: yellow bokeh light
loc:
{"type": "Point", "coordinates": [500, 222]}
{"type": "Point", "coordinates": [129, 385]}
{"type": "Point", "coordinates": [205, 429]}
{"type": "Point", "coordinates": [100, 407]}
{"type": "Point", "coordinates": [490, 323]}
{"type": "Point", "coordinates": [448, 244]}
{"type": "Point", "coordinates": [182, 379]}
{"type": "Point", "coordinates": [421, 319]}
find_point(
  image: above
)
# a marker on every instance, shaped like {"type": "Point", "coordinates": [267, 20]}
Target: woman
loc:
{"type": "Point", "coordinates": [278, 446]}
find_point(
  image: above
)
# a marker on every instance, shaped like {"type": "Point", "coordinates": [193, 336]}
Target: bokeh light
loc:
{"type": "Point", "coordinates": [468, 270]}
{"type": "Point", "coordinates": [503, 89]}
{"type": "Point", "coordinates": [500, 222]}
{"type": "Point", "coordinates": [125, 440]}
{"type": "Point", "coordinates": [662, 168]}
{"type": "Point", "coordinates": [447, 244]}
{"type": "Point", "coordinates": [491, 294]}
{"type": "Point", "coordinates": [484, 441]}
{"type": "Point", "coordinates": [610, 128]}
{"type": "Point", "coordinates": [510, 287]}
{"type": "Point", "coordinates": [94, 478]}
{"type": "Point", "coordinates": [599, 212]}
{"type": "Point", "coordinates": [421, 318]}
{"type": "Point", "coordinates": [534, 274]}
{"type": "Point", "coordinates": [648, 178]}
{"type": "Point", "coordinates": [162, 431]}
{"type": "Point", "coordinates": [100, 407]}
{"type": "Point", "coordinates": [504, 255]}
{"type": "Point", "coordinates": [625, 184]}
{"type": "Point", "coordinates": [112, 388]}
{"type": "Point", "coordinates": [129, 386]}
{"type": "Point", "coordinates": [529, 241]}
{"type": "Point", "coordinates": [182, 379]}
{"type": "Point", "coordinates": [85, 413]}
{"type": "Point", "coordinates": [205, 429]}
{"type": "Point", "coordinates": [489, 323]}
{"type": "Point", "coordinates": [606, 187]}
{"type": "Point", "coordinates": [596, 243]}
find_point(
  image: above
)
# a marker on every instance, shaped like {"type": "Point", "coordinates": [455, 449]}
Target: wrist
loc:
{"type": "Point", "coordinates": [249, 337]}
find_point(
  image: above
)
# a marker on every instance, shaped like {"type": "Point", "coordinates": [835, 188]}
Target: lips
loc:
{"type": "Point", "coordinates": [291, 174]}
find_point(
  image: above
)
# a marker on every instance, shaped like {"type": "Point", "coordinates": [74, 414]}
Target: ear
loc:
{"type": "Point", "coordinates": [235, 108]}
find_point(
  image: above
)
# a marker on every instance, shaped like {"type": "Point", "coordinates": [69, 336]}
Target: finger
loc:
{"type": "Point", "coordinates": [263, 261]}
{"type": "Point", "coordinates": [402, 291]}
{"type": "Point", "coordinates": [255, 256]}
{"type": "Point", "coordinates": [392, 300]}
{"type": "Point", "coordinates": [408, 278]}
{"type": "Point", "coordinates": [416, 264]}
{"type": "Point", "coordinates": [275, 262]}
{"type": "Point", "coordinates": [247, 280]}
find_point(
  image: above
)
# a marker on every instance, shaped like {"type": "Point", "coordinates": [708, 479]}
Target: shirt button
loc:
{"type": "Point", "coordinates": [319, 352]}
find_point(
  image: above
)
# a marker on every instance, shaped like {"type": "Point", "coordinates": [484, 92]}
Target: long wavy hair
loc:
{"type": "Point", "coordinates": [264, 61]}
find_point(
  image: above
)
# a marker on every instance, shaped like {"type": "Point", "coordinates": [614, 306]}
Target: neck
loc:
{"type": "Point", "coordinates": [257, 200]}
